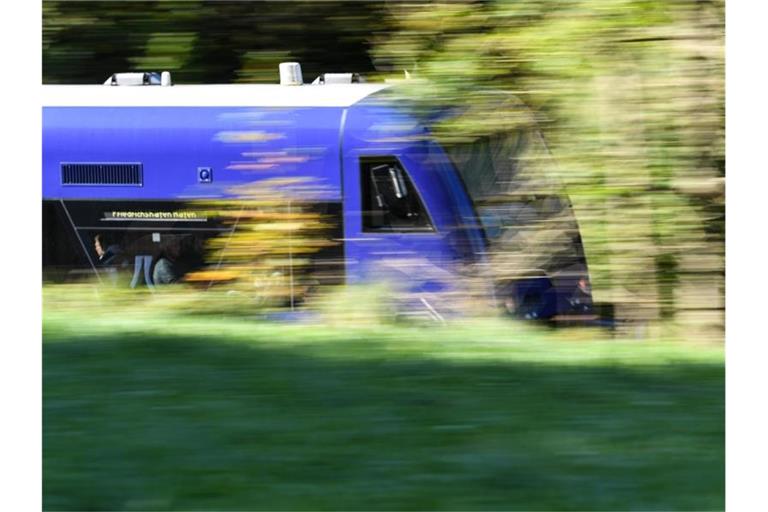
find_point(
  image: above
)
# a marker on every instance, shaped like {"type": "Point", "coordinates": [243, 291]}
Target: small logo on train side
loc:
{"type": "Point", "coordinates": [204, 174]}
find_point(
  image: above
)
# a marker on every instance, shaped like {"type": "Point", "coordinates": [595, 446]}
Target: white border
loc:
{"type": "Point", "coordinates": [21, 376]}
{"type": "Point", "coordinates": [746, 261]}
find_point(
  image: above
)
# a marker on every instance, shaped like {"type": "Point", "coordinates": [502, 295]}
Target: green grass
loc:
{"type": "Point", "coordinates": [156, 411]}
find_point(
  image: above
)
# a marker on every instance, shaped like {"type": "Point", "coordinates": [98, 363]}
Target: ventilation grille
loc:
{"type": "Point", "coordinates": [121, 174]}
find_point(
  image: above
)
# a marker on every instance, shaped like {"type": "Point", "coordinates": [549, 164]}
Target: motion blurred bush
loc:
{"type": "Point", "coordinates": [630, 97]}
{"type": "Point", "coordinates": [266, 257]}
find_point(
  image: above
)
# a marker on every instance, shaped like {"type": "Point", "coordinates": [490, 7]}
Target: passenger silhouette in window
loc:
{"type": "Point", "coordinates": [106, 250]}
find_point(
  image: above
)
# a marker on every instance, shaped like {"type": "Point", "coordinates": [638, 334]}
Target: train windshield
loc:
{"type": "Point", "coordinates": [524, 211]}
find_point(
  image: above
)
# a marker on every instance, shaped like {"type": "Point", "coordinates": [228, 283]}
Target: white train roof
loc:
{"type": "Point", "coordinates": [225, 95]}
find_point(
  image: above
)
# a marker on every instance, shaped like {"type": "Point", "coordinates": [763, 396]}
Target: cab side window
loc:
{"type": "Point", "coordinates": [390, 201]}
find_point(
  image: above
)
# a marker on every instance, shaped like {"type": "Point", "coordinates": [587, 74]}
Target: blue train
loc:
{"type": "Point", "coordinates": [121, 163]}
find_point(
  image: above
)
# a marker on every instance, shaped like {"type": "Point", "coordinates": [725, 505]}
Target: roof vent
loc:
{"type": "Point", "coordinates": [151, 78]}
{"type": "Point", "coordinates": [290, 73]}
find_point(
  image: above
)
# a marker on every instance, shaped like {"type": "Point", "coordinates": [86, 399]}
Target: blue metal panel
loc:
{"type": "Point", "coordinates": [240, 145]}
{"type": "Point", "coordinates": [426, 260]}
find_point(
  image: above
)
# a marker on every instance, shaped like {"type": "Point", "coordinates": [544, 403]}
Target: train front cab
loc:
{"type": "Point", "coordinates": [423, 212]}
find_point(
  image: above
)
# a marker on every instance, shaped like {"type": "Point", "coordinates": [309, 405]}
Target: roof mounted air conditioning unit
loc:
{"type": "Point", "coordinates": [290, 73]}
{"type": "Point", "coordinates": [146, 78]}
{"type": "Point", "coordinates": [338, 78]}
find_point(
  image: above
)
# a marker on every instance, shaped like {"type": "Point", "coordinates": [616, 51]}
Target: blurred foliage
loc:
{"type": "Point", "coordinates": [628, 93]}
{"type": "Point", "coordinates": [630, 97]}
{"type": "Point", "coordinates": [205, 41]}
{"type": "Point", "coordinates": [267, 254]}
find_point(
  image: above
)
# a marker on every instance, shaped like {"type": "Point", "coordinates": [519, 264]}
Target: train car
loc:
{"type": "Point", "coordinates": [121, 165]}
